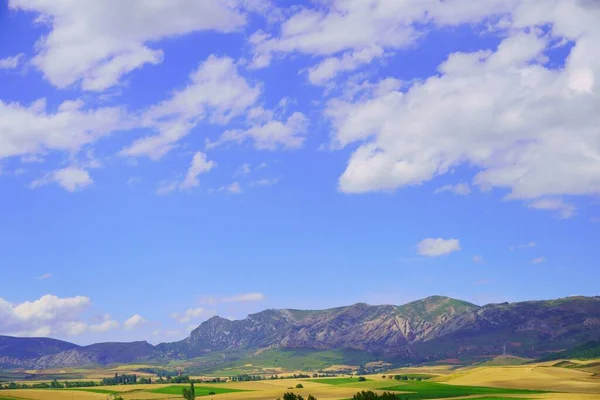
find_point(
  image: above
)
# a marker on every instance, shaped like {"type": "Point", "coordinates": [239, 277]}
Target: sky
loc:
{"type": "Point", "coordinates": [165, 161]}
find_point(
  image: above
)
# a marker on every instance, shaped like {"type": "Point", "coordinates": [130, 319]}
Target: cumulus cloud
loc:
{"type": "Point", "coordinates": [105, 325]}
{"type": "Point", "coordinates": [565, 210]}
{"type": "Point", "coordinates": [96, 43]}
{"type": "Point", "coordinates": [11, 62]}
{"type": "Point", "coordinates": [47, 315]}
{"type": "Point", "coordinates": [216, 92]}
{"type": "Point", "coordinates": [351, 26]}
{"type": "Point", "coordinates": [528, 128]}
{"type": "Point", "coordinates": [538, 260]}
{"type": "Point", "coordinates": [135, 321]}
{"type": "Point", "coordinates": [29, 131]}
{"type": "Point", "coordinates": [478, 259]}
{"type": "Point", "coordinates": [270, 134]}
{"type": "Point", "coordinates": [437, 247]}
{"type": "Point", "coordinates": [199, 165]}
{"type": "Point", "coordinates": [461, 189]}
{"type": "Point", "coordinates": [192, 314]}
{"type": "Point", "coordinates": [332, 66]}
{"type": "Point", "coordinates": [70, 179]}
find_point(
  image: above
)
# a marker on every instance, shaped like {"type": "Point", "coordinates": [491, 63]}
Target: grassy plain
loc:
{"type": "Point", "coordinates": [557, 380]}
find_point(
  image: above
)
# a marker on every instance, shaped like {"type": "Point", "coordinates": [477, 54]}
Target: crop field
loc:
{"type": "Point", "coordinates": [336, 381]}
{"type": "Point", "coordinates": [559, 380]}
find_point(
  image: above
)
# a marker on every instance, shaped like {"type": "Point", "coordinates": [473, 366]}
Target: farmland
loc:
{"type": "Point", "coordinates": [563, 379]}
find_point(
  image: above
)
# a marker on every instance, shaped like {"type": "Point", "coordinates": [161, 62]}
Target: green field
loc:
{"type": "Point", "coordinates": [230, 364]}
{"type": "Point", "coordinates": [200, 390]}
{"type": "Point", "coordinates": [433, 390]}
{"type": "Point", "coordinates": [336, 381]}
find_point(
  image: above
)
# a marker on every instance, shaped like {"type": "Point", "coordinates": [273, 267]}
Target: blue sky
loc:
{"type": "Point", "coordinates": [164, 163]}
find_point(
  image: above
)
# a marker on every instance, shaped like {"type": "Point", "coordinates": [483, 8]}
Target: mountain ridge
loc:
{"type": "Point", "coordinates": [433, 328]}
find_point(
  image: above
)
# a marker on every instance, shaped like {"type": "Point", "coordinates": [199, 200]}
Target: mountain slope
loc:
{"type": "Point", "coordinates": [527, 329]}
{"type": "Point", "coordinates": [425, 330]}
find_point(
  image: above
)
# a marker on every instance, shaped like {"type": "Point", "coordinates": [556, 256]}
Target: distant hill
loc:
{"type": "Point", "coordinates": [586, 351]}
{"type": "Point", "coordinates": [432, 329]}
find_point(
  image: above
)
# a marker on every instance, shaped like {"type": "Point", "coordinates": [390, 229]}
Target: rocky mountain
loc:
{"type": "Point", "coordinates": [42, 353]}
{"type": "Point", "coordinates": [430, 329]}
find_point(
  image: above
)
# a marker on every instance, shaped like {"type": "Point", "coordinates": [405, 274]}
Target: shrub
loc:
{"type": "Point", "coordinates": [299, 386]}
{"type": "Point", "coordinates": [362, 379]}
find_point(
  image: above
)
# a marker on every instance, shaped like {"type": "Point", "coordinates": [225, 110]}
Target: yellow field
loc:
{"type": "Point", "coordinates": [41, 394]}
{"type": "Point", "coordinates": [573, 383]}
{"type": "Point", "coordinates": [533, 376]}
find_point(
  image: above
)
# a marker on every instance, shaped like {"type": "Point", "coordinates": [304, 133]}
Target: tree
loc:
{"type": "Point", "coordinates": [370, 395]}
{"type": "Point", "coordinates": [362, 379]}
{"type": "Point", "coordinates": [189, 394]}
{"type": "Point", "coordinates": [311, 397]}
{"type": "Point", "coordinates": [299, 386]}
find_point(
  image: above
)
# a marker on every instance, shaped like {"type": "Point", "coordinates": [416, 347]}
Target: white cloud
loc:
{"type": "Point", "coordinates": [538, 260]}
{"type": "Point", "coordinates": [243, 170]}
{"type": "Point", "coordinates": [74, 328]}
{"type": "Point", "coordinates": [11, 62]}
{"type": "Point", "coordinates": [233, 188]}
{"type": "Point", "coordinates": [166, 187]}
{"type": "Point", "coordinates": [106, 325]}
{"type": "Point", "coordinates": [216, 92]}
{"type": "Point", "coordinates": [271, 134]}
{"type": "Point", "coordinates": [134, 321]}
{"type": "Point", "coordinates": [242, 298]}
{"type": "Point", "coordinates": [523, 246]}
{"type": "Point", "coordinates": [30, 131]}
{"type": "Point", "coordinates": [437, 247]}
{"type": "Point", "coordinates": [47, 315]}
{"type": "Point", "coordinates": [461, 189]}
{"type": "Point", "coordinates": [96, 43]}
{"type": "Point", "coordinates": [199, 166]}
{"type": "Point", "coordinates": [332, 66]}
{"type": "Point", "coordinates": [525, 126]}
{"type": "Point", "coordinates": [192, 314]}
{"type": "Point", "coordinates": [565, 210]}
{"type": "Point", "coordinates": [70, 179]}
{"type": "Point", "coordinates": [266, 182]}
{"type": "Point", "coordinates": [44, 276]}
{"type": "Point", "coordinates": [354, 25]}
{"type": "Point", "coordinates": [478, 259]}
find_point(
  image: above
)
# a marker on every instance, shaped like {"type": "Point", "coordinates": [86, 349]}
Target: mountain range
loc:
{"type": "Point", "coordinates": [435, 328]}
